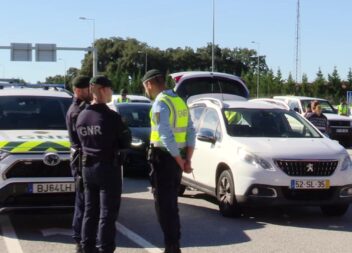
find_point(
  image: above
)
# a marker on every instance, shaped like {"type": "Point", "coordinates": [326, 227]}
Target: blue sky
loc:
{"type": "Point", "coordinates": [325, 30]}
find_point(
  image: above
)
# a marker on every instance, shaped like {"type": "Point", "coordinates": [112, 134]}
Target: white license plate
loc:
{"type": "Point", "coordinates": [52, 187]}
{"type": "Point", "coordinates": [341, 130]}
{"type": "Point", "coordinates": [310, 184]}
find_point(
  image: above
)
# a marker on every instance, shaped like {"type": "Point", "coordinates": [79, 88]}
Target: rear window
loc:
{"type": "Point", "coordinates": [202, 85]}
{"type": "Point", "coordinates": [32, 113]}
{"type": "Point", "coordinates": [135, 116]}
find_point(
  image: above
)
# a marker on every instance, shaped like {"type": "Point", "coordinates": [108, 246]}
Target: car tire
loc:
{"type": "Point", "coordinates": [181, 190]}
{"type": "Point", "coordinates": [334, 210]}
{"type": "Point", "coordinates": [226, 195]}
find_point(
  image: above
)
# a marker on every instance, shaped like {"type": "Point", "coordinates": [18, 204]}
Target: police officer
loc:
{"type": "Point", "coordinates": [102, 134]}
{"type": "Point", "coordinates": [81, 99]}
{"type": "Point", "coordinates": [172, 143]}
{"type": "Point", "coordinates": [342, 108]}
{"type": "Point", "coordinates": [123, 98]}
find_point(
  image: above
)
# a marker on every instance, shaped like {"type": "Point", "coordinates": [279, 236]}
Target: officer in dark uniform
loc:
{"type": "Point", "coordinates": [102, 133]}
{"type": "Point", "coordinates": [81, 99]}
{"type": "Point", "coordinates": [172, 143]}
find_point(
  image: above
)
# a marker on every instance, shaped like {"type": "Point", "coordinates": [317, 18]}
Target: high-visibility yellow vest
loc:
{"type": "Point", "coordinates": [120, 100]}
{"type": "Point", "coordinates": [342, 109]}
{"type": "Point", "coordinates": [178, 120]}
{"type": "Point", "coordinates": [232, 117]}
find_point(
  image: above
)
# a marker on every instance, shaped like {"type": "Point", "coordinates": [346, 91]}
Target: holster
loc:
{"type": "Point", "coordinates": [76, 160]}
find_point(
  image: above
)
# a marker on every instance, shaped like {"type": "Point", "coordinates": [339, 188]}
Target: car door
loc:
{"type": "Point", "coordinates": [205, 156]}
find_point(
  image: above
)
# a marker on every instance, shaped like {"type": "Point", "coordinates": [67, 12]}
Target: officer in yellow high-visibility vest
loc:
{"type": "Point", "coordinates": [342, 108]}
{"type": "Point", "coordinates": [123, 98]}
{"type": "Point", "coordinates": [172, 143]}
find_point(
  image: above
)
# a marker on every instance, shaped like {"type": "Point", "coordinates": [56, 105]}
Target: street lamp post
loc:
{"type": "Point", "coordinates": [94, 51]}
{"type": "Point", "coordinates": [212, 48]}
{"type": "Point", "coordinates": [257, 67]}
{"type": "Point", "coordinates": [146, 60]}
{"type": "Point", "coordinates": [65, 69]}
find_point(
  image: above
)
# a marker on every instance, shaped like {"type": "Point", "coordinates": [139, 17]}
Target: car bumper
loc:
{"type": "Point", "coordinates": [270, 195]}
{"type": "Point", "coordinates": [19, 196]}
{"type": "Point", "coordinates": [136, 162]}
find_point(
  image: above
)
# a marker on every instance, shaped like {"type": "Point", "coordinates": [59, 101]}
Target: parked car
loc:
{"type": "Point", "coordinates": [192, 83]}
{"type": "Point", "coordinates": [266, 156]}
{"type": "Point", "coordinates": [133, 99]}
{"type": "Point", "coordinates": [136, 116]}
{"type": "Point", "coordinates": [340, 126]}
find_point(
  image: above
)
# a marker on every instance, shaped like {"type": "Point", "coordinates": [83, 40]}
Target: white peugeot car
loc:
{"type": "Point", "coordinates": [257, 153]}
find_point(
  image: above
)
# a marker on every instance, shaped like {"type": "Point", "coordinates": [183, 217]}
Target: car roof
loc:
{"type": "Point", "coordinates": [300, 97]}
{"type": "Point", "coordinates": [132, 97]}
{"type": "Point", "coordinates": [34, 92]}
{"type": "Point", "coordinates": [186, 74]}
{"type": "Point", "coordinates": [235, 104]}
{"type": "Point", "coordinates": [134, 104]}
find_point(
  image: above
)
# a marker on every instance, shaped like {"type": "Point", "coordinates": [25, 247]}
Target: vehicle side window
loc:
{"type": "Point", "coordinates": [293, 104]}
{"type": "Point", "coordinates": [232, 87]}
{"type": "Point", "coordinates": [210, 122]}
{"type": "Point", "coordinates": [297, 127]}
{"type": "Point", "coordinates": [196, 86]}
{"type": "Point", "coordinates": [196, 113]}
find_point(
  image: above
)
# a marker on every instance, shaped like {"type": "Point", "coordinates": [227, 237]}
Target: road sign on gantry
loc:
{"type": "Point", "coordinates": [45, 52]}
{"type": "Point", "coordinates": [21, 52]}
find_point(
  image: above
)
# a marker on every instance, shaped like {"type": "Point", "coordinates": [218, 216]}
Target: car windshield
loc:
{"type": "Point", "coordinates": [277, 123]}
{"type": "Point", "coordinates": [325, 105]}
{"type": "Point", "coordinates": [135, 116]}
{"type": "Point", "coordinates": [33, 113]}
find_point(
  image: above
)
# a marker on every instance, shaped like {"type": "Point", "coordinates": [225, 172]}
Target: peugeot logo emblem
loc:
{"type": "Point", "coordinates": [51, 159]}
{"type": "Point", "coordinates": [310, 167]}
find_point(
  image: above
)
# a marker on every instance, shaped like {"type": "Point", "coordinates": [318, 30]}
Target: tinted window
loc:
{"type": "Point", "coordinates": [232, 87]}
{"type": "Point", "coordinates": [135, 116]}
{"type": "Point", "coordinates": [21, 113]}
{"type": "Point", "coordinates": [196, 86]}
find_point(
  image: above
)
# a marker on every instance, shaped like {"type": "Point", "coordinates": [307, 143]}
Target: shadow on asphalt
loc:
{"type": "Point", "coordinates": [293, 216]}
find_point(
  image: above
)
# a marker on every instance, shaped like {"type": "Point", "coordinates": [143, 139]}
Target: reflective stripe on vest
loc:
{"type": "Point", "coordinates": [178, 120]}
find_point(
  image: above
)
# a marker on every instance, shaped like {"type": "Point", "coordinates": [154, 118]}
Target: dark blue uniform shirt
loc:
{"type": "Point", "coordinates": [101, 132]}
{"type": "Point", "coordinates": [71, 118]}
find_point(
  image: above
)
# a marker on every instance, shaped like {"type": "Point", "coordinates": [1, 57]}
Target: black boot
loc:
{"type": "Point", "coordinates": [172, 248]}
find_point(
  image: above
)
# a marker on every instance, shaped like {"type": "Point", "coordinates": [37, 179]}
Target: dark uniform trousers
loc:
{"type": "Point", "coordinates": [166, 178]}
{"type": "Point", "coordinates": [102, 188]}
{"type": "Point", "coordinates": [79, 207]}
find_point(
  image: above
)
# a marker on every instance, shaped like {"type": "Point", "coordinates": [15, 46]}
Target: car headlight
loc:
{"type": "Point", "coordinates": [346, 163]}
{"type": "Point", "coordinates": [136, 142]}
{"type": "Point", "coordinates": [254, 160]}
{"type": "Point", "coordinates": [3, 154]}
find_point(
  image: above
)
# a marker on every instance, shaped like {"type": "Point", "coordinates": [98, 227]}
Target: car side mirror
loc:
{"type": "Point", "coordinates": [296, 109]}
{"type": "Point", "coordinates": [207, 136]}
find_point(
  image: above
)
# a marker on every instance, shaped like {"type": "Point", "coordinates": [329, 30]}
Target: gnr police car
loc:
{"type": "Point", "coordinates": [34, 147]}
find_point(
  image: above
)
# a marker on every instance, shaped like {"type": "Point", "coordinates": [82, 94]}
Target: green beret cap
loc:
{"type": "Point", "coordinates": [101, 80]}
{"type": "Point", "coordinates": [151, 74]}
{"type": "Point", "coordinates": [80, 82]}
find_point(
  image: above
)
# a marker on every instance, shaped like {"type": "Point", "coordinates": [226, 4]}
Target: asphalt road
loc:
{"type": "Point", "coordinates": [203, 228]}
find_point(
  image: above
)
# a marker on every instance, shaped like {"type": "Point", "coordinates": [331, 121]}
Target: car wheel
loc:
{"type": "Point", "coordinates": [334, 210]}
{"type": "Point", "coordinates": [226, 196]}
{"type": "Point", "coordinates": [181, 190]}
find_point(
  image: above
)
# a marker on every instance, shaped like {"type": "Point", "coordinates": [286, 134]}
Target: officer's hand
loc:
{"type": "Point", "coordinates": [180, 162]}
{"type": "Point", "coordinates": [188, 168]}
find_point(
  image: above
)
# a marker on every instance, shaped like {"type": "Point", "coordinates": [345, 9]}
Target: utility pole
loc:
{"type": "Point", "coordinates": [298, 45]}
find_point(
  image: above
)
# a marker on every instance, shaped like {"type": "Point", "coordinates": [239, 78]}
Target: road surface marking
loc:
{"type": "Point", "coordinates": [137, 239]}
{"type": "Point", "coordinates": [9, 235]}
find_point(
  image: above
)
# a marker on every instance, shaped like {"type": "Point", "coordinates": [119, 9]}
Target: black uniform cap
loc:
{"type": "Point", "coordinates": [151, 74]}
{"type": "Point", "coordinates": [101, 80]}
{"type": "Point", "coordinates": [123, 91]}
{"type": "Point", "coordinates": [80, 82]}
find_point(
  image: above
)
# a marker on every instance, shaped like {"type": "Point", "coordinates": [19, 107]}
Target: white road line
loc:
{"type": "Point", "coordinates": [137, 239]}
{"type": "Point", "coordinates": [9, 235]}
